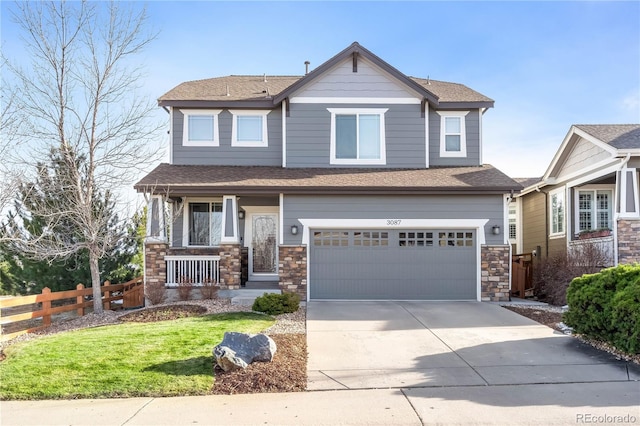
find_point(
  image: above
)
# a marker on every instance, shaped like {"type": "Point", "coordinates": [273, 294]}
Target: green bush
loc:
{"type": "Point", "coordinates": [276, 304]}
{"type": "Point", "coordinates": [606, 306]}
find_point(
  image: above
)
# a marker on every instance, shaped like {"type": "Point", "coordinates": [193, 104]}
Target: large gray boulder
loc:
{"type": "Point", "coordinates": [237, 350]}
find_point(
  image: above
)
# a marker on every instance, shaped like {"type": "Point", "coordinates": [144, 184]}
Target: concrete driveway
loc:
{"type": "Point", "coordinates": [365, 345]}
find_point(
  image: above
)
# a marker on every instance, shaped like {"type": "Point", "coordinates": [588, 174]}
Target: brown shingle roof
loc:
{"type": "Point", "coordinates": [254, 88]}
{"type": "Point", "coordinates": [193, 179]}
{"type": "Point", "coordinates": [620, 136]}
{"type": "Point", "coordinates": [527, 181]}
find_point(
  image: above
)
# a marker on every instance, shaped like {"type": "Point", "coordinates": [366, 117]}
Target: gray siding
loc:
{"type": "Point", "coordinates": [309, 135]}
{"type": "Point", "coordinates": [583, 154]}
{"type": "Point", "coordinates": [394, 207]}
{"type": "Point", "coordinates": [472, 130]}
{"type": "Point", "coordinates": [225, 154]}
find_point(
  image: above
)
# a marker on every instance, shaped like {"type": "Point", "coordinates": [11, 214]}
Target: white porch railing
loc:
{"type": "Point", "coordinates": [194, 270]}
{"type": "Point", "coordinates": [586, 249]}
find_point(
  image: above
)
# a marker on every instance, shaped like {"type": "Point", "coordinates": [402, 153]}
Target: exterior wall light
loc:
{"type": "Point", "coordinates": [241, 214]}
{"type": "Point", "coordinates": [294, 230]}
{"type": "Point", "coordinates": [496, 229]}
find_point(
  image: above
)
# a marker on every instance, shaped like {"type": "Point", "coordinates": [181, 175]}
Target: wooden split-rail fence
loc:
{"type": "Point", "coordinates": [39, 308]}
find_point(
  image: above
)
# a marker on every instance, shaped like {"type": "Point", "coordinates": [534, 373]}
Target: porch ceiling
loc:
{"type": "Point", "coordinates": [193, 180]}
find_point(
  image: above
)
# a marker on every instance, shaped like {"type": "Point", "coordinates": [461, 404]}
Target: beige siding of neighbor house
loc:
{"type": "Point", "coordinates": [534, 222]}
{"type": "Point", "coordinates": [582, 155]}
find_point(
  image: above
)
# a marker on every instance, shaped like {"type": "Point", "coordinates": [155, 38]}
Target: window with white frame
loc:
{"type": "Point", "coordinates": [453, 138]}
{"type": "Point", "coordinates": [205, 223]}
{"type": "Point", "coordinates": [557, 208]}
{"type": "Point", "coordinates": [357, 136]}
{"type": "Point", "coordinates": [200, 127]}
{"type": "Point", "coordinates": [249, 128]}
{"type": "Point", "coordinates": [594, 209]}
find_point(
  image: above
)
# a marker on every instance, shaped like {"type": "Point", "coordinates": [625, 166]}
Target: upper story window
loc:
{"type": "Point", "coordinates": [453, 138]}
{"type": "Point", "coordinates": [557, 208]}
{"type": "Point", "coordinates": [205, 223]}
{"type": "Point", "coordinates": [200, 127]}
{"type": "Point", "coordinates": [594, 209]}
{"type": "Point", "coordinates": [357, 136]}
{"type": "Point", "coordinates": [249, 128]}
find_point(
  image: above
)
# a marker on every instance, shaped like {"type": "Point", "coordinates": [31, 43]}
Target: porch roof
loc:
{"type": "Point", "coordinates": [179, 180]}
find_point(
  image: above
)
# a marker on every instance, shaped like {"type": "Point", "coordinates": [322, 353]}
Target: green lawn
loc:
{"type": "Point", "coordinates": [131, 359]}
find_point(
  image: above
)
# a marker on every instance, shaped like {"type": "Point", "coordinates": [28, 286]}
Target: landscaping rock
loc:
{"type": "Point", "coordinates": [237, 350]}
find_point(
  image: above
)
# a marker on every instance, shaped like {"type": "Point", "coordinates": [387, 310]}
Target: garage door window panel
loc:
{"type": "Point", "coordinates": [415, 239]}
{"type": "Point", "coordinates": [371, 239]}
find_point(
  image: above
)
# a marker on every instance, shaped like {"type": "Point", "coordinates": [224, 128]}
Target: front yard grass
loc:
{"type": "Point", "coordinates": [166, 358]}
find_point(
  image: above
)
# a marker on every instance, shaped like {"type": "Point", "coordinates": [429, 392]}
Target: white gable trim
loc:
{"type": "Point", "coordinates": [353, 100]}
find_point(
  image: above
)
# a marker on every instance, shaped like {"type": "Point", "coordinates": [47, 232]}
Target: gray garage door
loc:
{"type": "Point", "coordinates": [393, 264]}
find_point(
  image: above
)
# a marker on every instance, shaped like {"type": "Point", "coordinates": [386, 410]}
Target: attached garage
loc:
{"type": "Point", "coordinates": [393, 264]}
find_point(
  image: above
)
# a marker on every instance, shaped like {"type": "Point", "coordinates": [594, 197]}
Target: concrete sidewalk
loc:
{"type": "Point", "coordinates": [551, 404]}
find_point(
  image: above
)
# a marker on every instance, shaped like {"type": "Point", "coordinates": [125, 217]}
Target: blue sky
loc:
{"type": "Point", "coordinates": [547, 65]}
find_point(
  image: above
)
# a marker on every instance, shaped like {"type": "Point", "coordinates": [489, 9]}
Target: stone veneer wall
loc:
{"type": "Point", "coordinates": [230, 266]}
{"type": "Point", "coordinates": [292, 268]}
{"type": "Point", "coordinates": [155, 267]}
{"type": "Point", "coordinates": [494, 280]}
{"type": "Point", "coordinates": [628, 240]}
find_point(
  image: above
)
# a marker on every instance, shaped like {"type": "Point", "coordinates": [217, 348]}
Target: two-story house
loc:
{"type": "Point", "coordinates": [353, 181]}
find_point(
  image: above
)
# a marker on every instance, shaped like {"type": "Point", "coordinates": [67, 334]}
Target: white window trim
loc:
{"type": "Point", "coordinates": [185, 217]}
{"type": "Point", "coordinates": [185, 127]}
{"type": "Point", "coordinates": [564, 215]}
{"type": "Point", "coordinates": [234, 129]}
{"type": "Point", "coordinates": [594, 189]}
{"type": "Point", "coordinates": [356, 111]}
{"type": "Point", "coordinates": [463, 133]}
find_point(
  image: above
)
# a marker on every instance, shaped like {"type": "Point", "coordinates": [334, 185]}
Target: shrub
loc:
{"type": "Point", "coordinates": [155, 293]}
{"type": "Point", "coordinates": [209, 289]}
{"type": "Point", "coordinates": [276, 304]}
{"type": "Point", "coordinates": [551, 276]}
{"type": "Point", "coordinates": [606, 306]}
{"type": "Point", "coordinates": [184, 288]}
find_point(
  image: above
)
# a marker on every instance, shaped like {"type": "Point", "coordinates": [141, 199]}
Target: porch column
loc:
{"type": "Point", "coordinates": [156, 229]}
{"type": "Point", "coordinates": [230, 234]}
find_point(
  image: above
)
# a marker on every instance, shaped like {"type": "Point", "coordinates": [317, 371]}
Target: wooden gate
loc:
{"type": "Point", "coordinates": [521, 275]}
{"type": "Point", "coordinates": [133, 294]}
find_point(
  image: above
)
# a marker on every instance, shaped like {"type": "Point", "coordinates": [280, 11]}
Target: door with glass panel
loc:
{"type": "Point", "coordinates": [263, 246]}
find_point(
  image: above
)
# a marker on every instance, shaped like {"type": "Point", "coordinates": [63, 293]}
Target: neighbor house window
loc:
{"type": "Point", "coordinates": [594, 209]}
{"type": "Point", "coordinates": [557, 208]}
{"type": "Point", "coordinates": [453, 139]}
{"type": "Point", "coordinates": [205, 223]}
{"type": "Point", "coordinates": [200, 128]}
{"type": "Point", "coordinates": [513, 223]}
{"type": "Point", "coordinates": [249, 128]}
{"type": "Point", "coordinates": [357, 136]}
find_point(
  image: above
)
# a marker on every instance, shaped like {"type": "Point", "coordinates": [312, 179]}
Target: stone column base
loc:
{"type": "Point", "coordinates": [292, 268]}
{"type": "Point", "coordinates": [494, 270]}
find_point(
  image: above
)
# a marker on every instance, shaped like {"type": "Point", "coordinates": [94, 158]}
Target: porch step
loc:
{"type": "Point", "coordinates": [259, 285]}
{"type": "Point", "coordinates": [245, 296]}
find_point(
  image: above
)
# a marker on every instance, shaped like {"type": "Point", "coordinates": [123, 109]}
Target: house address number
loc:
{"type": "Point", "coordinates": [394, 222]}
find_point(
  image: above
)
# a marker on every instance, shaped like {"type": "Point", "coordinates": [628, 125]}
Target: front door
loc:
{"type": "Point", "coordinates": [263, 246]}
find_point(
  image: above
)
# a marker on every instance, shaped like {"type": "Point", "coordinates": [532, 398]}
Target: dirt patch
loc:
{"type": "Point", "coordinates": [287, 372]}
{"type": "Point", "coordinates": [548, 318]}
{"type": "Point", "coordinates": [164, 313]}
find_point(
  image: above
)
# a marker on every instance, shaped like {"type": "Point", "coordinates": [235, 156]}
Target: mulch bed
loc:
{"type": "Point", "coordinates": [287, 372]}
{"type": "Point", "coordinates": [164, 313]}
{"type": "Point", "coordinates": [550, 319]}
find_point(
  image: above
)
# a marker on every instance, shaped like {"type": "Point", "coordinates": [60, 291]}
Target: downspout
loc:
{"type": "Point", "coordinates": [617, 216]}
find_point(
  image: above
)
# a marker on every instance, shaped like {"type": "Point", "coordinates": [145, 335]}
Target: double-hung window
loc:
{"type": "Point", "coordinates": [200, 127]}
{"type": "Point", "coordinates": [357, 136]}
{"type": "Point", "coordinates": [249, 128]}
{"type": "Point", "coordinates": [205, 223]}
{"type": "Point", "coordinates": [594, 209]}
{"type": "Point", "coordinates": [453, 138]}
{"type": "Point", "coordinates": [557, 209]}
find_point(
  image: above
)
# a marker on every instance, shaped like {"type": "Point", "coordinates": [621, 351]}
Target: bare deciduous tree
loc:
{"type": "Point", "coordinates": [76, 99]}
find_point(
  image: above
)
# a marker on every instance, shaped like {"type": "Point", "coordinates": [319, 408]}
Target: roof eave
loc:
{"type": "Point", "coordinates": [266, 103]}
{"type": "Point", "coordinates": [466, 105]}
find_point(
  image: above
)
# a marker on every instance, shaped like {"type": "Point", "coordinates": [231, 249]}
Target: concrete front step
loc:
{"type": "Point", "coordinates": [245, 296]}
{"type": "Point", "coordinates": [259, 285]}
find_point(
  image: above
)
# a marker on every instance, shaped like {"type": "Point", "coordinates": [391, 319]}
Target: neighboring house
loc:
{"type": "Point", "coordinates": [591, 185]}
{"type": "Point", "coordinates": [353, 181]}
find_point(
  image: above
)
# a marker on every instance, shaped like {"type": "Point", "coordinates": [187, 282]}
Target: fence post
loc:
{"type": "Point", "coordinates": [106, 304]}
{"type": "Point", "coordinates": [80, 300]}
{"type": "Point", "coordinates": [46, 306]}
